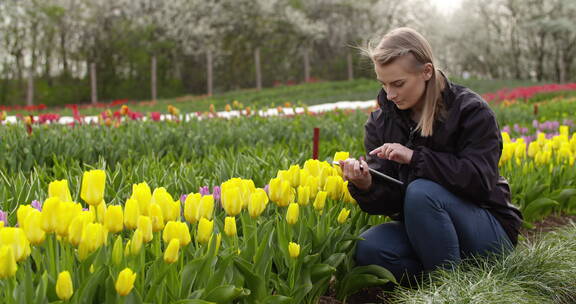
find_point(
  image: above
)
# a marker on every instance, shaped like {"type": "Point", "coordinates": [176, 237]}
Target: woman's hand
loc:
{"type": "Point", "coordinates": [394, 152]}
{"type": "Point", "coordinates": [361, 178]}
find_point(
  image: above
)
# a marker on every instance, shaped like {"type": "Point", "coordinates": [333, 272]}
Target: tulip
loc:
{"type": "Point", "coordinates": [157, 217]}
{"type": "Point", "coordinates": [191, 205]}
{"type": "Point", "coordinates": [67, 212]}
{"type": "Point", "coordinates": [8, 264]}
{"type": "Point", "coordinates": [131, 213]}
{"type": "Point", "coordinates": [77, 226]}
{"type": "Point", "coordinates": [161, 197]}
{"type": "Point", "coordinates": [292, 213]}
{"type": "Point", "coordinates": [286, 194]}
{"type": "Point", "coordinates": [16, 238]}
{"type": "Point", "coordinates": [338, 156]}
{"type": "Point", "coordinates": [114, 219]}
{"type": "Point", "coordinates": [93, 237]}
{"type": "Point", "coordinates": [275, 190]}
{"type": "Point", "coordinates": [257, 204]}
{"type": "Point", "coordinates": [21, 214]}
{"type": "Point", "coordinates": [313, 183]}
{"type": "Point", "coordinates": [232, 200]}
{"type": "Point", "coordinates": [60, 189]}
{"type": "Point", "coordinates": [93, 184]}
{"type": "Point", "coordinates": [294, 250]}
{"type": "Point", "coordinates": [205, 228]}
{"type": "Point", "coordinates": [125, 282]}
{"type": "Point", "coordinates": [320, 200]}
{"type": "Point", "coordinates": [247, 187]}
{"type": "Point", "coordinates": [303, 195]}
{"type": "Point", "coordinates": [294, 175]}
{"type": "Point", "coordinates": [343, 216]}
{"type": "Point", "coordinates": [206, 207]}
{"type": "Point", "coordinates": [136, 242]}
{"type": "Point", "coordinates": [333, 187]}
{"type": "Point", "coordinates": [99, 211]}
{"type": "Point", "coordinates": [32, 228]}
{"type": "Point", "coordinates": [177, 230]}
{"type": "Point", "coordinates": [230, 226]}
{"type": "Point", "coordinates": [172, 251]}
{"type": "Point", "coordinates": [64, 287]}
{"type": "Point", "coordinates": [145, 225]}
{"type": "Point", "coordinates": [117, 251]}
{"type": "Point", "coordinates": [346, 196]}
{"type": "Point", "coordinates": [312, 166]}
{"type": "Point", "coordinates": [50, 214]}
{"type": "Point", "coordinates": [142, 193]}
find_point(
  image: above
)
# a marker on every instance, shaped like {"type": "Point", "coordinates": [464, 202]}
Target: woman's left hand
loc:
{"type": "Point", "coordinates": [394, 152]}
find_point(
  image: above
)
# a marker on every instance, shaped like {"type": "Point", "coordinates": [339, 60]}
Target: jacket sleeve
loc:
{"type": "Point", "coordinates": [472, 170]}
{"type": "Point", "coordinates": [383, 197]}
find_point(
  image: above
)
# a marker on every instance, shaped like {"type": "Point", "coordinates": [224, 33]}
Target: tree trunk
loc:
{"type": "Point", "coordinates": [350, 66]}
{"type": "Point", "coordinates": [306, 55]}
{"type": "Point", "coordinates": [153, 81]}
{"type": "Point", "coordinates": [209, 72]}
{"type": "Point", "coordinates": [30, 88]}
{"type": "Point", "coordinates": [258, 69]}
{"type": "Point", "coordinates": [93, 83]}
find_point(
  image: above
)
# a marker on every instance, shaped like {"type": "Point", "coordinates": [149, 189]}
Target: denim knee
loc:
{"type": "Point", "coordinates": [418, 192]}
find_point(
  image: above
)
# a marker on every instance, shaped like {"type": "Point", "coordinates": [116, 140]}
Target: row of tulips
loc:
{"type": "Point", "coordinates": [152, 249]}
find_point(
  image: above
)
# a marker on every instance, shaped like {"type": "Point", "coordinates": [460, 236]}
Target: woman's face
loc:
{"type": "Point", "coordinates": [404, 84]}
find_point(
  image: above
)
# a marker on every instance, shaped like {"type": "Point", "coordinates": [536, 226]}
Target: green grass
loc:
{"type": "Point", "coordinates": [541, 271]}
{"type": "Point", "coordinates": [307, 93]}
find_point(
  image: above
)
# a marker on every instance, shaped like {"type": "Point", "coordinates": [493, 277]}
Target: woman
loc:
{"type": "Point", "coordinates": [442, 140]}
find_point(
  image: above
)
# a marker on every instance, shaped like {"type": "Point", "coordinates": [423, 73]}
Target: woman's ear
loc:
{"type": "Point", "coordinates": [428, 70]}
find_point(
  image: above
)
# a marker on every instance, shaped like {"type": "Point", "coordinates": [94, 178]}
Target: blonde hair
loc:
{"type": "Point", "coordinates": [404, 41]}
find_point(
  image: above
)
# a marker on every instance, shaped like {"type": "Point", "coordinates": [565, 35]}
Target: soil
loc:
{"type": "Point", "coordinates": [376, 294]}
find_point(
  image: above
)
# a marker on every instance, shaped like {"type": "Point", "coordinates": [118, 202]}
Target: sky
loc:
{"type": "Point", "coordinates": [446, 6]}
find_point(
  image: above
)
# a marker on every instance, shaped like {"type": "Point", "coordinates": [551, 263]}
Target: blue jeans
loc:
{"type": "Point", "coordinates": [439, 229]}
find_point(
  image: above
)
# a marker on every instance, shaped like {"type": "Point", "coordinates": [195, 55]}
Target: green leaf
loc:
{"type": "Point", "coordinates": [86, 292]}
{"type": "Point", "coordinates": [225, 294]}
{"type": "Point", "coordinates": [320, 271]}
{"type": "Point", "coordinates": [538, 208]}
{"type": "Point", "coordinates": [277, 299]}
{"type": "Point", "coordinates": [254, 282]}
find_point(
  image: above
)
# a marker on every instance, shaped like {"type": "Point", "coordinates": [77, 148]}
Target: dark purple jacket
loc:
{"type": "Point", "coordinates": [462, 155]}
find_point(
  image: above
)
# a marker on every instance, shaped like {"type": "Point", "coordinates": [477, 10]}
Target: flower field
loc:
{"type": "Point", "coordinates": [221, 210]}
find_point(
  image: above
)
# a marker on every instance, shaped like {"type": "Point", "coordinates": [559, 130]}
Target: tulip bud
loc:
{"type": "Point", "coordinates": [50, 214]}
{"type": "Point", "coordinates": [303, 195]}
{"type": "Point", "coordinates": [142, 193]}
{"type": "Point", "coordinates": [230, 226]}
{"type": "Point", "coordinates": [145, 225]}
{"type": "Point", "coordinates": [338, 156]}
{"type": "Point", "coordinates": [136, 242]}
{"type": "Point", "coordinates": [172, 251]}
{"type": "Point", "coordinates": [320, 200]}
{"type": "Point", "coordinates": [206, 207]}
{"type": "Point", "coordinates": [76, 227]}
{"type": "Point", "coordinates": [157, 217]}
{"type": "Point", "coordinates": [205, 228]}
{"type": "Point", "coordinates": [114, 219]}
{"type": "Point", "coordinates": [125, 282]}
{"type": "Point", "coordinates": [231, 200]}
{"type": "Point", "coordinates": [117, 251]}
{"type": "Point", "coordinates": [292, 213]}
{"type": "Point", "coordinates": [60, 189]}
{"type": "Point", "coordinates": [177, 230]}
{"type": "Point", "coordinates": [93, 185]}
{"type": "Point", "coordinates": [8, 266]}
{"type": "Point", "coordinates": [191, 205]}
{"type": "Point", "coordinates": [32, 229]}
{"type": "Point", "coordinates": [131, 213]}
{"type": "Point", "coordinates": [343, 216]}
{"type": "Point", "coordinates": [294, 250]}
{"type": "Point", "coordinates": [64, 287]}
{"type": "Point", "coordinates": [22, 213]}
{"type": "Point", "coordinates": [257, 204]}
{"type": "Point", "coordinates": [333, 187]}
{"type": "Point", "coordinates": [16, 238]}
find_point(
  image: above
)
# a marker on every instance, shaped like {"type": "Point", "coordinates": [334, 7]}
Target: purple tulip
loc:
{"type": "Point", "coordinates": [568, 122]}
{"type": "Point", "coordinates": [535, 124]}
{"type": "Point", "coordinates": [506, 129]}
{"type": "Point", "coordinates": [524, 130]}
{"type": "Point", "coordinates": [267, 188]}
{"type": "Point", "coordinates": [216, 192]}
{"type": "Point", "coordinates": [4, 217]}
{"type": "Point", "coordinates": [516, 128]}
{"type": "Point", "coordinates": [205, 190]}
{"type": "Point", "coordinates": [37, 205]}
{"type": "Point", "coordinates": [555, 125]}
{"type": "Point", "coordinates": [183, 198]}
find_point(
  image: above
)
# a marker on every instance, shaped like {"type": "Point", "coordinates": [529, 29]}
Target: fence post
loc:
{"type": "Point", "coordinates": [316, 143]}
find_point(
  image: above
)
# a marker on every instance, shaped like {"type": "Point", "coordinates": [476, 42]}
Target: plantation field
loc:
{"type": "Point", "coordinates": [236, 211]}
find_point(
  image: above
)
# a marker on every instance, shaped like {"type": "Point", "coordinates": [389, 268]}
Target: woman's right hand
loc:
{"type": "Point", "coordinates": [361, 178]}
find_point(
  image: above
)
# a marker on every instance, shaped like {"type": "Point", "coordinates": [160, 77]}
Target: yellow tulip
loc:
{"type": "Point", "coordinates": [257, 203]}
{"type": "Point", "coordinates": [125, 282]}
{"type": "Point", "coordinates": [93, 237]}
{"type": "Point", "coordinates": [117, 251]}
{"type": "Point", "coordinates": [99, 211]}
{"type": "Point", "coordinates": [313, 183]}
{"type": "Point", "coordinates": [533, 148]}
{"type": "Point", "coordinates": [32, 228]}
{"type": "Point", "coordinates": [131, 213]}
{"type": "Point", "coordinates": [67, 212]}
{"type": "Point", "coordinates": [16, 238]}
{"type": "Point", "coordinates": [8, 266]}
{"type": "Point", "coordinates": [174, 209]}
{"type": "Point", "coordinates": [303, 195]}
{"type": "Point", "coordinates": [294, 175]}
{"type": "Point", "coordinates": [247, 187]}
{"type": "Point", "coordinates": [206, 208]}
{"type": "Point", "coordinates": [22, 213]}
{"type": "Point", "coordinates": [157, 217]}
{"type": "Point", "coordinates": [77, 226]}
{"type": "Point", "coordinates": [161, 197]}
{"type": "Point", "coordinates": [114, 219]}
{"type": "Point", "coordinates": [145, 225]}
{"type": "Point", "coordinates": [292, 213]}
{"type": "Point", "coordinates": [64, 287]}
{"type": "Point", "coordinates": [142, 193]}
{"type": "Point", "coordinates": [93, 185]}
{"type": "Point", "coordinates": [346, 196]}
{"type": "Point", "coordinates": [172, 251]}
{"type": "Point", "coordinates": [191, 205]}
{"type": "Point", "coordinates": [275, 189]}
{"type": "Point", "coordinates": [177, 230]}
{"type": "Point", "coordinates": [205, 228]}
{"type": "Point", "coordinates": [338, 156]}
{"type": "Point", "coordinates": [231, 200]}
{"type": "Point", "coordinates": [333, 187]}
{"type": "Point", "coordinates": [320, 200]}
{"type": "Point", "coordinates": [294, 250]}
{"type": "Point", "coordinates": [128, 248]}
{"type": "Point", "coordinates": [343, 216]}
{"type": "Point", "coordinates": [60, 189]}
{"type": "Point", "coordinates": [50, 214]}
{"type": "Point", "coordinates": [312, 166]}
{"type": "Point", "coordinates": [304, 175]}
{"type": "Point", "coordinates": [230, 226]}
{"type": "Point", "coordinates": [506, 137]}
{"type": "Point", "coordinates": [136, 242]}
{"type": "Point", "coordinates": [286, 194]}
